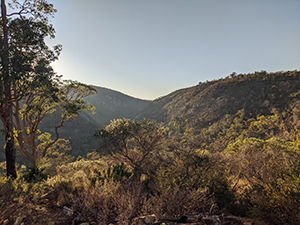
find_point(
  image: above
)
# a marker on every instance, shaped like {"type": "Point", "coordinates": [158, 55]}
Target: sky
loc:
{"type": "Point", "coordinates": [150, 48]}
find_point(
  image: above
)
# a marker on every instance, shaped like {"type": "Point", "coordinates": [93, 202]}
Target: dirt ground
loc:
{"type": "Point", "coordinates": [43, 211]}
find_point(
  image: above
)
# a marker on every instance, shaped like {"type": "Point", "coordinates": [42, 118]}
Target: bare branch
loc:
{"type": "Point", "coordinates": [18, 13]}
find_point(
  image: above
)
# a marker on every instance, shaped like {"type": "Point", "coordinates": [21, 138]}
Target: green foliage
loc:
{"type": "Point", "coordinates": [244, 160]}
{"type": "Point", "coordinates": [34, 174]}
{"type": "Point", "coordinates": [269, 170]}
{"type": "Point", "coordinates": [39, 104]}
{"type": "Point", "coordinates": [138, 144]}
{"type": "Point", "coordinates": [256, 93]}
{"type": "Point", "coordinates": [117, 172]}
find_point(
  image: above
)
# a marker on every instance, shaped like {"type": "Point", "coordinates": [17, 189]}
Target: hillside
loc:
{"type": "Point", "coordinates": [80, 131]}
{"type": "Point", "coordinates": [230, 146]}
{"type": "Point", "coordinates": [256, 93]}
{"type": "Point", "coordinates": [113, 105]}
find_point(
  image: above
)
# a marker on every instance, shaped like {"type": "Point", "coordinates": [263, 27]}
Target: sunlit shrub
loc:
{"type": "Point", "coordinates": [175, 204]}
{"type": "Point", "coordinates": [35, 174]}
{"type": "Point", "coordinates": [269, 168]}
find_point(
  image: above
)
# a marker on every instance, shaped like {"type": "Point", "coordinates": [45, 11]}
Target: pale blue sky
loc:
{"type": "Point", "coordinates": [149, 48]}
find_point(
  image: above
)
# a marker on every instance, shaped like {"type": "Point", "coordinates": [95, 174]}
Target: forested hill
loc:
{"type": "Point", "coordinates": [113, 104]}
{"type": "Point", "coordinates": [257, 93]}
{"type": "Point", "coordinates": [109, 105]}
{"type": "Point", "coordinates": [79, 131]}
{"type": "Point", "coordinates": [201, 105]}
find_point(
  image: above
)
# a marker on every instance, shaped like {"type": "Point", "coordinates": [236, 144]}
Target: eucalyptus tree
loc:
{"type": "Point", "coordinates": [142, 145]}
{"type": "Point", "coordinates": [25, 61]}
{"type": "Point", "coordinates": [31, 110]}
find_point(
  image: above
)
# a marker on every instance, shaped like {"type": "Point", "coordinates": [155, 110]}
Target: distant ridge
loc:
{"type": "Point", "coordinates": [256, 93]}
{"type": "Point", "coordinates": [202, 105]}
{"type": "Point", "coordinates": [112, 104]}
{"type": "Point", "coordinates": [109, 105]}
{"type": "Point", "coordinates": [80, 131]}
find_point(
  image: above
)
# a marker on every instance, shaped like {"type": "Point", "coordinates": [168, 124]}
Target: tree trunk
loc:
{"type": "Point", "coordinates": [10, 151]}
{"type": "Point", "coordinates": [6, 104]}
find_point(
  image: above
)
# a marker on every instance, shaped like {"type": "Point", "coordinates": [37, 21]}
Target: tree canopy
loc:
{"type": "Point", "coordinates": [29, 87]}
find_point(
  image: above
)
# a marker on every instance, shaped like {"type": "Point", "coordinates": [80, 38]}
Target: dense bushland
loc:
{"type": "Point", "coordinates": [242, 163]}
{"type": "Point", "coordinates": [155, 169]}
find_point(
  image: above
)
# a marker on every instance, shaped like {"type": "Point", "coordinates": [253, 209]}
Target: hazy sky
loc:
{"type": "Point", "coordinates": [149, 48]}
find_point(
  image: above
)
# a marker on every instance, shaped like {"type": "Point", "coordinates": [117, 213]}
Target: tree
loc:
{"type": "Point", "coordinates": [22, 46]}
{"type": "Point", "coordinates": [139, 144]}
{"type": "Point", "coordinates": [267, 173]}
{"type": "Point", "coordinates": [37, 105]}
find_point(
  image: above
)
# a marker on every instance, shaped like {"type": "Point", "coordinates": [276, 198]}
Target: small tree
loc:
{"type": "Point", "coordinates": [139, 144]}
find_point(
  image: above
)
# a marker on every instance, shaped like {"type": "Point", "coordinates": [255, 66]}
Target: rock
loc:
{"type": "Point", "coordinates": [150, 219]}
{"type": "Point", "coordinates": [139, 221]}
{"type": "Point", "coordinates": [18, 221]}
{"type": "Point", "coordinates": [191, 219]}
{"type": "Point", "coordinates": [5, 222]}
{"type": "Point", "coordinates": [144, 220]}
{"type": "Point", "coordinates": [51, 223]}
{"type": "Point", "coordinates": [84, 224]}
{"type": "Point", "coordinates": [68, 211]}
{"type": "Point", "coordinates": [231, 220]}
{"type": "Point", "coordinates": [211, 220]}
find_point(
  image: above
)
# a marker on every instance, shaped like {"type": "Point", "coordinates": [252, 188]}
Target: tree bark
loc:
{"type": "Point", "coordinates": [6, 104]}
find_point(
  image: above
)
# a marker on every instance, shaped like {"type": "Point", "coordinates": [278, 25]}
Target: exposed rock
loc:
{"type": "Point", "coordinates": [138, 221]}
{"type": "Point", "coordinates": [68, 211]}
{"type": "Point", "coordinates": [144, 220]}
{"type": "Point", "coordinates": [150, 219]}
{"type": "Point", "coordinates": [5, 222]}
{"type": "Point", "coordinates": [211, 220]}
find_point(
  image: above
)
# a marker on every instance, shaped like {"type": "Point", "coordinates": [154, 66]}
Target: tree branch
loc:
{"type": "Point", "coordinates": [63, 120]}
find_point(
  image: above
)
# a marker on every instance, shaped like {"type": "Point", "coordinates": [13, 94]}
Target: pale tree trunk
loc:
{"type": "Point", "coordinates": [6, 104]}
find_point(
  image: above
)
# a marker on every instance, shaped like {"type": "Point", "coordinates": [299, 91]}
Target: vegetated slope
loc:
{"type": "Point", "coordinates": [80, 130]}
{"type": "Point", "coordinates": [113, 105]}
{"type": "Point", "coordinates": [256, 93]}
